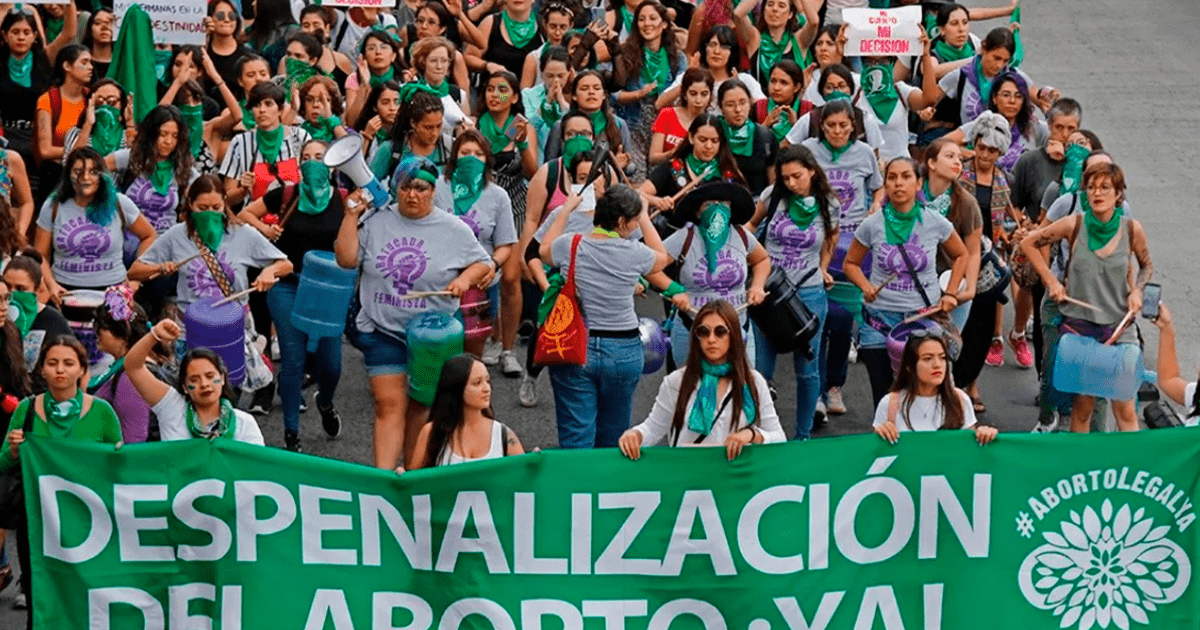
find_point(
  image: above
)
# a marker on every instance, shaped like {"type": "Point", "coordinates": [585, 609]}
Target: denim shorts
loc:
{"type": "Point", "coordinates": [384, 354]}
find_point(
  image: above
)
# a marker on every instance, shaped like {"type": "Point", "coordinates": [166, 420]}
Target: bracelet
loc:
{"type": "Point", "coordinates": [674, 289]}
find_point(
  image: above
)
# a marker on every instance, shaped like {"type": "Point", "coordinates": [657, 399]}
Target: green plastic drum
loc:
{"type": "Point", "coordinates": [849, 297]}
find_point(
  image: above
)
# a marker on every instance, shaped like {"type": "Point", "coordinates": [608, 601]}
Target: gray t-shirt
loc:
{"type": "Point", "coordinates": [242, 248]}
{"type": "Point", "coordinates": [86, 254]}
{"type": "Point", "coordinates": [732, 274]}
{"type": "Point", "coordinates": [794, 250]}
{"type": "Point", "coordinates": [871, 126]}
{"type": "Point", "coordinates": [490, 219]}
{"type": "Point", "coordinates": [854, 177]}
{"type": "Point", "coordinates": [606, 271]}
{"type": "Point", "coordinates": [900, 294]}
{"type": "Point", "coordinates": [1064, 205]}
{"type": "Point", "coordinates": [399, 255]}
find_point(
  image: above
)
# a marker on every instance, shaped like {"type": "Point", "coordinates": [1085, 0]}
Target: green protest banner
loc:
{"type": "Point", "coordinates": [935, 533]}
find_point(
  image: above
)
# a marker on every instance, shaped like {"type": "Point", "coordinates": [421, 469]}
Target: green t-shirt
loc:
{"type": "Point", "coordinates": [99, 424]}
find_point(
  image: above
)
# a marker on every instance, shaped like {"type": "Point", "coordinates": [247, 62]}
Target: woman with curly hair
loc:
{"type": "Point", "coordinates": [417, 132]}
{"type": "Point", "coordinates": [320, 107]}
{"type": "Point", "coordinates": [649, 61]}
{"type": "Point", "coordinates": [160, 166]}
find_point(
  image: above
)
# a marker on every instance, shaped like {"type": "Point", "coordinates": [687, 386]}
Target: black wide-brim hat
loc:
{"type": "Point", "coordinates": [741, 203]}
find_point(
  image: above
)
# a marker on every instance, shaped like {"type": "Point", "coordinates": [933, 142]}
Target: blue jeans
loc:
{"type": "Point", "coordinates": [593, 403]}
{"type": "Point", "coordinates": [808, 376]}
{"type": "Point", "coordinates": [293, 352]}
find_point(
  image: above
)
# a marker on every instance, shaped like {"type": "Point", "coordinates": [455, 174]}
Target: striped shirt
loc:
{"type": "Point", "coordinates": [243, 152]}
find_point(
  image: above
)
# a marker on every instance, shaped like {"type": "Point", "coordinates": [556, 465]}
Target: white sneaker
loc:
{"type": "Point", "coordinates": [491, 352]}
{"type": "Point", "coordinates": [527, 394]}
{"type": "Point", "coordinates": [19, 602]}
{"type": "Point", "coordinates": [852, 357]}
{"type": "Point", "coordinates": [819, 413]}
{"type": "Point", "coordinates": [833, 402]}
{"type": "Point", "coordinates": [509, 364]}
{"type": "Point", "coordinates": [275, 355]}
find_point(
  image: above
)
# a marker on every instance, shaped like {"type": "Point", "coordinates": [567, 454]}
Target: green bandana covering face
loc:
{"type": "Point", "coordinates": [948, 53]}
{"type": "Point", "coordinates": [323, 128]}
{"type": "Point", "coordinates": [698, 167]}
{"type": "Point", "coordinates": [656, 68]}
{"type": "Point", "coordinates": [378, 80]}
{"type": "Point", "coordinates": [1100, 232]}
{"type": "Point", "coordinates": [440, 90]}
{"type": "Point", "coordinates": [247, 116]}
{"type": "Point", "coordinates": [1072, 174]}
{"type": "Point", "coordinates": [802, 210]}
{"type": "Point", "coordinates": [62, 415]}
{"type": "Point", "coordinates": [467, 183]}
{"type": "Point", "coordinates": [836, 95]}
{"type": "Point", "coordinates": [315, 187]}
{"type": "Point", "coordinates": [21, 70]}
{"type": "Point", "coordinates": [210, 227]}
{"type": "Point", "coordinates": [107, 132]}
{"type": "Point", "coordinates": [714, 229]}
{"type": "Point", "coordinates": [161, 59]}
{"type": "Point", "coordinates": [704, 409]}
{"type": "Point", "coordinates": [494, 134]}
{"type": "Point", "coordinates": [838, 152]}
{"type": "Point", "coordinates": [575, 146]}
{"type": "Point", "coordinates": [223, 428]}
{"type": "Point", "coordinates": [941, 203]}
{"type": "Point", "coordinates": [898, 226]}
{"type": "Point", "coordinates": [880, 90]}
{"type": "Point", "coordinates": [25, 306]}
{"type": "Point", "coordinates": [193, 117]}
{"type": "Point", "coordinates": [100, 379]}
{"type": "Point", "coordinates": [741, 139]}
{"type": "Point", "coordinates": [519, 32]}
{"type": "Point", "coordinates": [269, 143]}
{"type": "Point", "coordinates": [297, 72]}
{"type": "Point", "coordinates": [162, 177]}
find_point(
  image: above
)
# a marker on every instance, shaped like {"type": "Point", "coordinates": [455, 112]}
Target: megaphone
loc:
{"type": "Point", "coordinates": [346, 156]}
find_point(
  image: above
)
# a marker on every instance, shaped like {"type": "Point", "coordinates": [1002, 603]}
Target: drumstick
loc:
{"type": "Point", "coordinates": [886, 280]}
{"type": "Point", "coordinates": [424, 294]}
{"type": "Point", "coordinates": [690, 185]}
{"type": "Point", "coordinates": [178, 264]}
{"type": "Point", "coordinates": [234, 296]}
{"type": "Point", "coordinates": [1125, 321]}
{"type": "Point", "coordinates": [920, 315]}
{"type": "Point", "coordinates": [1079, 303]}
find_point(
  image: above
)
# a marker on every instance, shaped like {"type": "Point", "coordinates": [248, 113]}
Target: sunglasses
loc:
{"type": "Point", "coordinates": [924, 333]}
{"type": "Point", "coordinates": [225, 16]}
{"type": "Point", "coordinates": [704, 332]}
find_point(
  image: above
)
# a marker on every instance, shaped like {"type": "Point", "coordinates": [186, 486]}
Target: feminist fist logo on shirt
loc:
{"type": "Point", "coordinates": [893, 263]}
{"type": "Point", "coordinates": [83, 239]}
{"type": "Point", "coordinates": [200, 280]}
{"type": "Point", "coordinates": [402, 261]}
{"type": "Point", "coordinates": [729, 276]}
{"type": "Point", "coordinates": [793, 240]}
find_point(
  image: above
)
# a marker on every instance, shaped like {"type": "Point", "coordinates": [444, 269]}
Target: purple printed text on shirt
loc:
{"type": "Point", "coordinates": [83, 240]}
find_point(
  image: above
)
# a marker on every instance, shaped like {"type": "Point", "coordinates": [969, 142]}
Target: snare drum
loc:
{"type": "Point", "coordinates": [79, 309]}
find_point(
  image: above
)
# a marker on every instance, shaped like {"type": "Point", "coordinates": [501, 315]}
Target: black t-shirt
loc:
{"type": "Point", "coordinates": [305, 232]}
{"type": "Point", "coordinates": [226, 67]}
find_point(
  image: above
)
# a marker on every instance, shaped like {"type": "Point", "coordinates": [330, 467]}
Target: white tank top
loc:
{"type": "Point", "coordinates": [495, 450]}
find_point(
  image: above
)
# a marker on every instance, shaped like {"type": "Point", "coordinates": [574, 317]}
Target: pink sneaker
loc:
{"type": "Point", "coordinates": [995, 355]}
{"type": "Point", "coordinates": [1020, 348]}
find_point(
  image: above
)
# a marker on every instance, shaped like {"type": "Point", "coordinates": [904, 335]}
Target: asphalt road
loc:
{"type": "Point", "coordinates": [1133, 70]}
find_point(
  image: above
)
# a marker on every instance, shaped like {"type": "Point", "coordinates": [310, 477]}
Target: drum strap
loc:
{"type": "Point", "coordinates": [214, 267]}
{"type": "Point", "coordinates": [913, 273]}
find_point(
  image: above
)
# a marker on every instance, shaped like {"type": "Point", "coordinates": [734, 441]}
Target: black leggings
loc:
{"type": "Point", "coordinates": [879, 370]}
{"type": "Point", "coordinates": [976, 340]}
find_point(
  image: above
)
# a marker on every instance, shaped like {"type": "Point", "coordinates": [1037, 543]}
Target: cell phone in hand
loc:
{"type": "Point", "coordinates": [1150, 299]}
{"type": "Point", "coordinates": [517, 125]}
{"type": "Point", "coordinates": [597, 14]}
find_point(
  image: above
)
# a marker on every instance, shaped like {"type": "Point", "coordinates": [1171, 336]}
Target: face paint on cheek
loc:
{"type": "Point", "coordinates": [191, 387]}
{"type": "Point", "coordinates": [503, 96]}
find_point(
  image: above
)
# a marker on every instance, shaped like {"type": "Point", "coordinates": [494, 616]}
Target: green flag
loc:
{"type": "Point", "coordinates": [1019, 51]}
{"type": "Point", "coordinates": [132, 61]}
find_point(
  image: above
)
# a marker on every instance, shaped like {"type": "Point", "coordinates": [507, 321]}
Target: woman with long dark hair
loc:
{"type": "Point", "coordinates": [104, 125]}
{"type": "Point", "coordinates": [120, 323]}
{"type": "Point", "coordinates": [715, 399]}
{"type": "Point", "coordinates": [160, 166]}
{"type": "Point", "coordinates": [36, 324]}
{"type": "Point", "coordinates": [380, 61]}
{"type": "Point", "coordinates": [1010, 98]}
{"type": "Point", "coordinates": [781, 33]}
{"type": "Point", "coordinates": [462, 426]}
{"type": "Point", "coordinates": [378, 117]}
{"type": "Point", "coordinates": [223, 27]}
{"type": "Point", "coordinates": [72, 76]}
{"type": "Point", "coordinates": [318, 21]}
{"type": "Point", "coordinates": [649, 61]}
{"type": "Point", "coordinates": [588, 95]}
{"type": "Point", "coordinates": [273, 23]}
{"type": "Point", "coordinates": [546, 102]}
{"type": "Point", "coordinates": [417, 133]}
{"type": "Point", "coordinates": [671, 126]}
{"type": "Point", "coordinates": [753, 145]}
{"type": "Point", "coordinates": [98, 37]}
{"type": "Point", "coordinates": [499, 116]}
{"type": "Point", "coordinates": [720, 54]}
{"type": "Point", "coordinates": [703, 154]}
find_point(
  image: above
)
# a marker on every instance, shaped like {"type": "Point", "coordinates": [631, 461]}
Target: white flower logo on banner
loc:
{"type": "Point", "coordinates": [1105, 569]}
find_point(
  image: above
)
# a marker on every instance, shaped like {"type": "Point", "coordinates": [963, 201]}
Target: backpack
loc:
{"type": "Point", "coordinates": [948, 109]}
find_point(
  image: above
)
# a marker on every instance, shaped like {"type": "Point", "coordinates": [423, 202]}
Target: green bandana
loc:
{"type": "Point", "coordinates": [834, 154]}
{"type": "Point", "coordinates": [626, 19]}
{"type": "Point", "coordinates": [323, 128]}
{"type": "Point", "coordinates": [1100, 232]}
{"type": "Point", "coordinates": [941, 203]}
{"type": "Point", "coordinates": [247, 116]}
{"type": "Point", "coordinates": [54, 28]}
{"type": "Point", "coordinates": [315, 189]}
{"type": "Point", "coordinates": [802, 210]}
{"type": "Point", "coordinates": [741, 139]}
{"type": "Point", "coordinates": [297, 72]}
{"type": "Point", "coordinates": [985, 84]}
{"type": "Point", "coordinates": [162, 177]}
{"type": "Point", "coordinates": [782, 126]}
{"type": "Point", "coordinates": [698, 167]}
{"type": "Point", "coordinates": [1019, 48]}
{"type": "Point", "coordinates": [269, 143]}
{"type": "Point", "coordinates": [574, 147]}
{"type": "Point", "coordinates": [946, 53]}
{"type": "Point", "coordinates": [931, 27]}
{"type": "Point", "coordinates": [836, 95]}
{"type": "Point", "coordinates": [193, 117]}
{"type": "Point", "coordinates": [210, 227]}
{"type": "Point", "coordinates": [21, 70]}
{"type": "Point", "coordinates": [551, 111]}
{"type": "Point", "coordinates": [704, 409]}
{"type": "Point", "coordinates": [380, 79]}
{"type": "Point", "coordinates": [606, 232]}
{"type": "Point", "coordinates": [714, 229]}
{"type": "Point", "coordinates": [520, 33]}
{"type": "Point", "coordinates": [467, 183]}
{"type": "Point", "coordinates": [62, 415]}
{"type": "Point", "coordinates": [656, 68]}
{"type": "Point", "coordinates": [898, 226]}
{"type": "Point", "coordinates": [409, 89]}
{"type": "Point", "coordinates": [494, 134]}
{"type": "Point", "coordinates": [1072, 174]}
{"type": "Point", "coordinates": [599, 122]}
{"type": "Point", "coordinates": [880, 90]}
{"type": "Point", "coordinates": [440, 90]}
{"type": "Point", "coordinates": [25, 305]}
{"type": "Point", "coordinates": [161, 59]}
{"type": "Point", "coordinates": [107, 132]}
{"type": "Point", "coordinates": [223, 428]}
{"type": "Point", "coordinates": [96, 381]}
{"type": "Point", "coordinates": [771, 51]}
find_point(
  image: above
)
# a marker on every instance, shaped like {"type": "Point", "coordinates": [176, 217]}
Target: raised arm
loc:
{"type": "Point", "coordinates": [147, 385]}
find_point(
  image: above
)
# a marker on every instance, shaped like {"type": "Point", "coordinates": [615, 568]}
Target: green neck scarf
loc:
{"type": "Point", "coordinates": [62, 415]}
{"type": "Point", "coordinates": [599, 122]}
{"type": "Point", "coordinates": [714, 229]}
{"type": "Point", "coordinates": [269, 143]}
{"type": "Point", "coordinates": [20, 70]}
{"type": "Point", "coordinates": [626, 19]}
{"type": "Point", "coordinates": [1072, 174]}
{"type": "Point", "coordinates": [940, 203]}
{"type": "Point", "coordinates": [494, 134]}
{"type": "Point", "coordinates": [834, 154]}
{"type": "Point", "coordinates": [985, 84]}
{"type": "Point", "coordinates": [802, 210]}
{"type": "Point", "coordinates": [323, 128]}
{"type": "Point", "coordinates": [520, 33]}
{"type": "Point", "coordinates": [113, 370]}
{"type": "Point", "coordinates": [193, 117]}
{"type": "Point", "coordinates": [575, 146]}
{"type": "Point", "coordinates": [606, 232]}
{"type": "Point", "coordinates": [741, 139]}
{"type": "Point", "coordinates": [1100, 232]}
{"type": "Point", "coordinates": [947, 53]}
{"type": "Point", "coordinates": [656, 68]}
{"type": "Point", "coordinates": [782, 126]}
{"type": "Point", "coordinates": [210, 227]}
{"type": "Point", "coordinates": [379, 79]}
{"type": "Point", "coordinates": [551, 111]}
{"type": "Point", "coordinates": [1019, 46]}
{"type": "Point", "coordinates": [247, 116]}
{"type": "Point", "coordinates": [442, 89]}
{"type": "Point", "coordinates": [224, 427]}
{"type": "Point", "coordinates": [880, 90]}
{"type": "Point", "coordinates": [107, 132]}
{"type": "Point", "coordinates": [898, 226]}
{"type": "Point", "coordinates": [771, 51]}
{"type": "Point", "coordinates": [162, 177]}
{"type": "Point", "coordinates": [704, 409]}
{"type": "Point", "coordinates": [315, 187]}
{"type": "Point", "coordinates": [467, 183]}
{"type": "Point", "coordinates": [25, 305]}
{"type": "Point", "coordinates": [54, 28]}
{"type": "Point", "coordinates": [698, 167]}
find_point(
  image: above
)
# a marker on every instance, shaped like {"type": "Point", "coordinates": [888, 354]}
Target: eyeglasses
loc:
{"type": "Point", "coordinates": [225, 16]}
{"type": "Point", "coordinates": [1103, 189]}
{"type": "Point", "coordinates": [704, 332]}
{"type": "Point", "coordinates": [111, 101]}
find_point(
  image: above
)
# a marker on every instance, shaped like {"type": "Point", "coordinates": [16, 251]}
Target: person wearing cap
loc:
{"type": "Point", "coordinates": [400, 250]}
{"type": "Point", "coordinates": [716, 256]}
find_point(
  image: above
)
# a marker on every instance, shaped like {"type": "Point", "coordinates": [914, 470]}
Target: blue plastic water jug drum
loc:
{"type": "Point", "coordinates": [323, 297]}
{"type": "Point", "coordinates": [1086, 366]}
{"type": "Point", "coordinates": [432, 339]}
{"type": "Point", "coordinates": [221, 329]}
